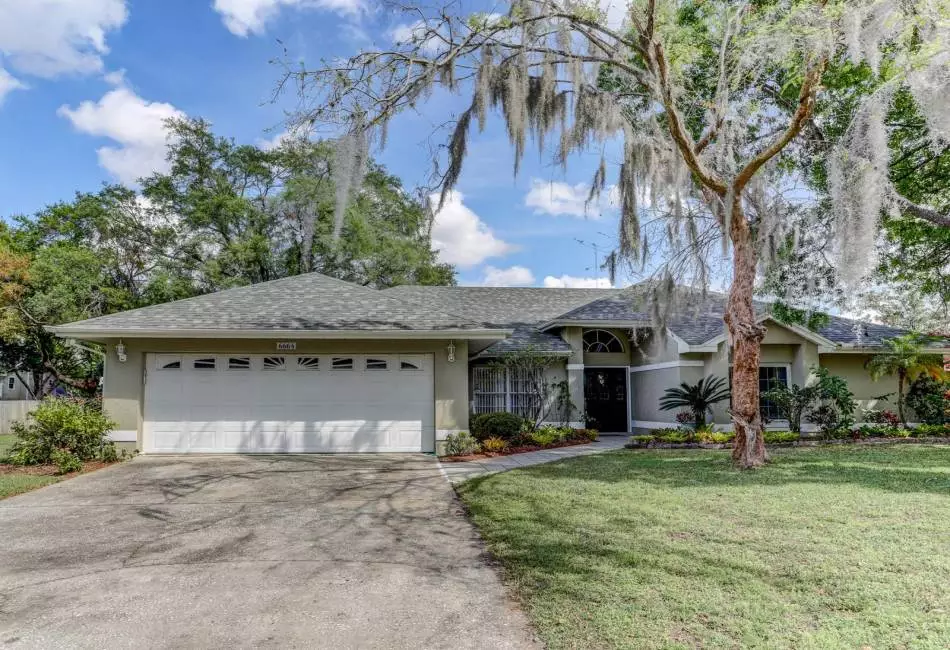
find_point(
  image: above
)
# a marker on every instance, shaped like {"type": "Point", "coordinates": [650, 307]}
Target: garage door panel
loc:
{"type": "Point", "coordinates": [289, 407]}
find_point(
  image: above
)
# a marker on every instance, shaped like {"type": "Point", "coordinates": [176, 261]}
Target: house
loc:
{"type": "Point", "coordinates": [16, 387]}
{"type": "Point", "coordinates": [314, 364]}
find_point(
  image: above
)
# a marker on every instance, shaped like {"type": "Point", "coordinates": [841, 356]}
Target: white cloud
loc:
{"type": "Point", "coordinates": [571, 282]}
{"type": "Point", "coordinates": [8, 83]}
{"type": "Point", "coordinates": [244, 17]}
{"type": "Point", "coordinates": [556, 198]}
{"type": "Point", "coordinates": [417, 33]}
{"type": "Point", "coordinates": [137, 125]}
{"type": "Point", "coordinates": [514, 276]}
{"type": "Point", "coordinates": [47, 38]}
{"type": "Point", "coordinates": [461, 237]}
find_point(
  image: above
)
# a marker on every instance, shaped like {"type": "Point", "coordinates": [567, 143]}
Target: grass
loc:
{"type": "Point", "coordinates": [12, 484]}
{"type": "Point", "coordinates": [825, 548]}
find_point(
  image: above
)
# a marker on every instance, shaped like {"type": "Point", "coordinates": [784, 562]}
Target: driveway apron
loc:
{"type": "Point", "coordinates": [334, 551]}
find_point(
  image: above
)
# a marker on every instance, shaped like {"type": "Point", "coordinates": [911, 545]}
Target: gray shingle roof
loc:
{"type": "Point", "coordinates": [304, 302]}
{"type": "Point", "coordinates": [526, 338]}
{"type": "Point", "coordinates": [501, 306]}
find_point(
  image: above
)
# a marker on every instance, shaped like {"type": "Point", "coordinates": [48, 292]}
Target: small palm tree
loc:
{"type": "Point", "coordinates": [904, 356]}
{"type": "Point", "coordinates": [698, 398]}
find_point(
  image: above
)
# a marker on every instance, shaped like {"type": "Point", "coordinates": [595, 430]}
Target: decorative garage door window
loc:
{"type": "Point", "coordinates": [342, 363]}
{"type": "Point", "coordinates": [275, 363]}
{"type": "Point", "coordinates": [239, 363]}
{"type": "Point", "coordinates": [515, 390]}
{"type": "Point", "coordinates": [168, 362]}
{"type": "Point", "coordinates": [308, 363]}
{"type": "Point", "coordinates": [374, 363]}
{"type": "Point", "coordinates": [410, 362]}
{"type": "Point", "coordinates": [207, 363]}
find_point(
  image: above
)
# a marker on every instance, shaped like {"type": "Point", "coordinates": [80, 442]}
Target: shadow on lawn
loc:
{"type": "Point", "coordinates": [902, 469]}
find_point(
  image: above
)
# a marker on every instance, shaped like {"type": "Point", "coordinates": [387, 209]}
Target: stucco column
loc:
{"type": "Point", "coordinates": [575, 371]}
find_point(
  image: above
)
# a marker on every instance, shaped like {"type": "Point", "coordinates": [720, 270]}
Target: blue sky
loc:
{"type": "Point", "coordinates": [85, 85]}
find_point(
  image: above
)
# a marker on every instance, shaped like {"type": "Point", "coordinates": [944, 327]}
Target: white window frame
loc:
{"type": "Point", "coordinates": [509, 397]}
{"type": "Point", "coordinates": [597, 332]}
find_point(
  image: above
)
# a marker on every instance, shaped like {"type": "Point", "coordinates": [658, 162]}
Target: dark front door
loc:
{"type": "Point", "coordinates": [605, 399]}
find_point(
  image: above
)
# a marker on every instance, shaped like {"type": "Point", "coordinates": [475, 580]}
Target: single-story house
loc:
{"type": "Point", "coordinates": [314, 364]}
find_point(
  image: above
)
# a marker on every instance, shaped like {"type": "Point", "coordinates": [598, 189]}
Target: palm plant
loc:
{"type": "Point", "coordinates": [698, 398]}
{"type": "Point", "coordinates": [905, 357]}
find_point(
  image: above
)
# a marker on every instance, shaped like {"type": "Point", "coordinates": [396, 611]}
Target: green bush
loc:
{"type": "Point", "coordinates": [896, 432]}
{"type": "Point", "coordinates": [461, 444]}
{"type": "Point", "coordinates": [928, 398]}
{"type": "Point", "coordinates": [871, 431]}
{"type": "Point", "coordinates": [644, 439]}
{"type": "Point", "coordinates": [61, 427]}
{"type": "Point", "coordinates": [672, 436]}
{"type": "Point", "coordinates": [721, 437]}
{"type": "Point", "coordinates": [775, 437]}
{"type": "Point", "coordinates": [931, 431]}
{"type": "Point", "coordinates": [548, 435]}
{"type": "Point", "coordinates": [65, 461]}
{"type": "Point", "coordinates": [506, 426]}
{"type": "Point", "coordinates": [585, 434]}
{"type": "Point", "coordinates": [494, 444]}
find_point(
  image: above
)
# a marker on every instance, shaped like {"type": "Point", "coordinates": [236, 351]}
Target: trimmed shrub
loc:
{"type": "Point", "coordinates": [506, 426]}
{"type": "Point", "coordinates": [64, 432]}
{"type": "Point", "coordinates": [585, 434]}
{"type": "Point", "coordinates": [644, 439]}
{"type": "Point", "coordinates": [928, 397]}
{"type": "Point", "coordinates": [494, 444]}
{"type": "Point", "coordinates": [548, 435]}
{"type": "Point", "coordinates": [672, 436]}
{"type": "Point", "coordinates": [461, 444]}
{"type": "Point", "coordinates": [721, 437]}
{"type": "Point", "coordinates": [776, 437]}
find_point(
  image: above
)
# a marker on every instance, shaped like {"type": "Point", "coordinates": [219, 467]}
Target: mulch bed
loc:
{"type": "Point", "coordinates": [799, 443]}
{"type": "Point", "coordinates": [511, 451]}
{"type": "Point", "coordinates": [50, 470]}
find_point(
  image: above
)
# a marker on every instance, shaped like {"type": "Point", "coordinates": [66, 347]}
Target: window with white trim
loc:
{"type": "Point", "coordinates": [601, 341]}
{"type": "Point", "coordinates": [11, 383]}
{"type": "Point", "coordinates": [514, 390]}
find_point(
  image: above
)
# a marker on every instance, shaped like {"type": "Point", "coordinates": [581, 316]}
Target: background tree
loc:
{"type": "Point", "coordinates": [225, 215]}
{"type": "Point", "coordinates": [905, 357]}
{"type": "Point", "coordinates": [695, 91]}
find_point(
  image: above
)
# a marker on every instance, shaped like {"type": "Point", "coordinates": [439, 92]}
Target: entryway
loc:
{"type": "Point", "coordinates": [605, 398]}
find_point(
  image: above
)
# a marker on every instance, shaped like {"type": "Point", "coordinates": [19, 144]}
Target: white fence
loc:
{"type": "Point", "coordinates": [12, 410]}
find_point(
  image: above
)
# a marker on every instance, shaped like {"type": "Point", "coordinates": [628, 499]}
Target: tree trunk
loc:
{"type": "Point", "coordinates": [746, 334]}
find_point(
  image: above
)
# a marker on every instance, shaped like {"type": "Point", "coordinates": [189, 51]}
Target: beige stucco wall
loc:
{"type": "Point", "coordinates": [123, 388]}
{"type": "Point", "coordinates": [646, 388]}
{"type": "Point", "coordinates": [866, 390]}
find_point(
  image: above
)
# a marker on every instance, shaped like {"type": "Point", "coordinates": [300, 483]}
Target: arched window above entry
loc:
{"type": "Point", "coordinates": [601, 341]}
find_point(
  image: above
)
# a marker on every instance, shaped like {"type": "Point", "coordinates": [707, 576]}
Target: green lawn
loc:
{"type": "Point", "coordinates": [11, 484]}
{"type": "Point", "coordinates": [845, 547]}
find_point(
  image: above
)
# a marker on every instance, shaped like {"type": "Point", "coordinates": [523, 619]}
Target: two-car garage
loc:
{"type": "Point", "coordinates": [284, 403]}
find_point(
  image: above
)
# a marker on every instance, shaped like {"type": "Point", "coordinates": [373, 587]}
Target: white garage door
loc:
{"type": "Point", "coordinates": [211, 403]}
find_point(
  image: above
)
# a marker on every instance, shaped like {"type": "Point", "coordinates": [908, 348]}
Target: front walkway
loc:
{"type": "Point", "coordinates": [462, 471]}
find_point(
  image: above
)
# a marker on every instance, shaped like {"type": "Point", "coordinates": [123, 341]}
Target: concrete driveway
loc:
{"type": "Point", "coordinates": [369, 551]}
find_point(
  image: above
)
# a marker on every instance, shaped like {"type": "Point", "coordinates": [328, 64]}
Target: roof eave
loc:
{"type": "Point", "coordinates": [803, 332]}
{"type": "Point", "coordinates": [484, 354]}
{"type": "Point", "coordinates": [94, 334]}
